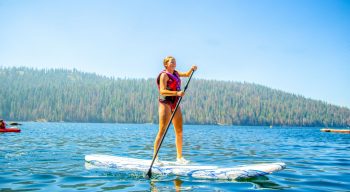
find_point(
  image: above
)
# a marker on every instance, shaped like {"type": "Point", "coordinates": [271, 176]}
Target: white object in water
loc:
{"type": "Point", "coordinates": [195, 171]}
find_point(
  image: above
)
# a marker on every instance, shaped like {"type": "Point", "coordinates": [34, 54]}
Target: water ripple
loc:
{"type": "Point", "coordinates": [50, 157]}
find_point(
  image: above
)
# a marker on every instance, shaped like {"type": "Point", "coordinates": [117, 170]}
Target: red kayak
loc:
{"type": "Point", "coordinates": [10, 129]}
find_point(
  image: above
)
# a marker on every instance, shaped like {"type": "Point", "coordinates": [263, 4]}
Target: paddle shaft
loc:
{"type": "Point", "coordinates": [149, 173]}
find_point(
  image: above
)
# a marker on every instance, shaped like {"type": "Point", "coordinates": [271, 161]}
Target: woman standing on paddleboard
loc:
{"type": "Point", "coordinates": [169, 85]}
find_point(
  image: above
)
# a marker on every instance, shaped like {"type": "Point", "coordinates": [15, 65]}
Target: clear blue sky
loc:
{"type": "Point", "coordinates": [298, 46]}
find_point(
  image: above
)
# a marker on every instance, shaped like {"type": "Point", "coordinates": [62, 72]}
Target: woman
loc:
{"type": "Point", "coordinates": [169, 85]}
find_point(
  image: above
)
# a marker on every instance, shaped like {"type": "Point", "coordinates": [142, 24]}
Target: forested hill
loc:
{"type": "Point", "coordinates": [72, 96]}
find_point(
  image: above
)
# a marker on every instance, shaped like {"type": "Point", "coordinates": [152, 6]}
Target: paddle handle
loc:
{"type": "Point", "coordinates": [149, 173]}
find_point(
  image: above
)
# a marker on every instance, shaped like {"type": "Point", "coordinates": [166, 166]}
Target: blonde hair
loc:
{"type": "Point", "coordinates": [167, 59]}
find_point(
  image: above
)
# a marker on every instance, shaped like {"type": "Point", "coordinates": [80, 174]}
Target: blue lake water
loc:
{"type": "Point", "coordinates": [50, 157]}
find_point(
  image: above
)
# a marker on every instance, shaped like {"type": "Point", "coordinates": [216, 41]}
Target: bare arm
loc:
{"type": "Point", "coordinates": [188, 73]}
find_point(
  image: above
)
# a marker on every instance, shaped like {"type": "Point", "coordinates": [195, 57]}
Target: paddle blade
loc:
{"type": "Point", "coordinates": [149, 174]}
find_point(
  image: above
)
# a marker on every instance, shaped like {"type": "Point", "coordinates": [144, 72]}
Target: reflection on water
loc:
{"type": "Point", "coordinates": [50, 157]}
{"type": "Point", "coordinates": [177, 186]}
{"type": "Point", "coordinates": [261, 182]}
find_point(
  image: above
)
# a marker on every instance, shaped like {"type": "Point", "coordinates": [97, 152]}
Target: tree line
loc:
{"type": "Point", "coordinates": [29, 94]}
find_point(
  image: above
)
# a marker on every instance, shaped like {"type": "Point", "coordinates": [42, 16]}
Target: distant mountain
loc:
{"type": "Point", "coordinates": [73, 96]}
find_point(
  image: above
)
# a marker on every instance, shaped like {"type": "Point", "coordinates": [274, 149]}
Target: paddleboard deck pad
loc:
{"type": "Point", "coordinates": [171, 168]}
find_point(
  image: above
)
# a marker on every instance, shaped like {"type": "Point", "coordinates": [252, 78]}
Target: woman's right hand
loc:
{"type": "Point", "coordinates": [180, 93]}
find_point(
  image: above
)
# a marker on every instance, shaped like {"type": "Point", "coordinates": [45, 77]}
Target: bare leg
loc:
{"type": "Point", "coordinates": [177, 122]}
{"type": "Point", "coordinates": [164, 117]}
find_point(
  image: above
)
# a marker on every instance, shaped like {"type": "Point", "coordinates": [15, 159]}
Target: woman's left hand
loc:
{"type": "Point", "coordinates": [194, 67]}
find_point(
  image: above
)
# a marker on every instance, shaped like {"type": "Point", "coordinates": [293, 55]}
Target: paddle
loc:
{"type": "Point", "coordinates": [149, 173]}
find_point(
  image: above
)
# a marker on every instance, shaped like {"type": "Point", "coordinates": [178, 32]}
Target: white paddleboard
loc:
{"type": "Point", "coordinates": [195, 171]}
